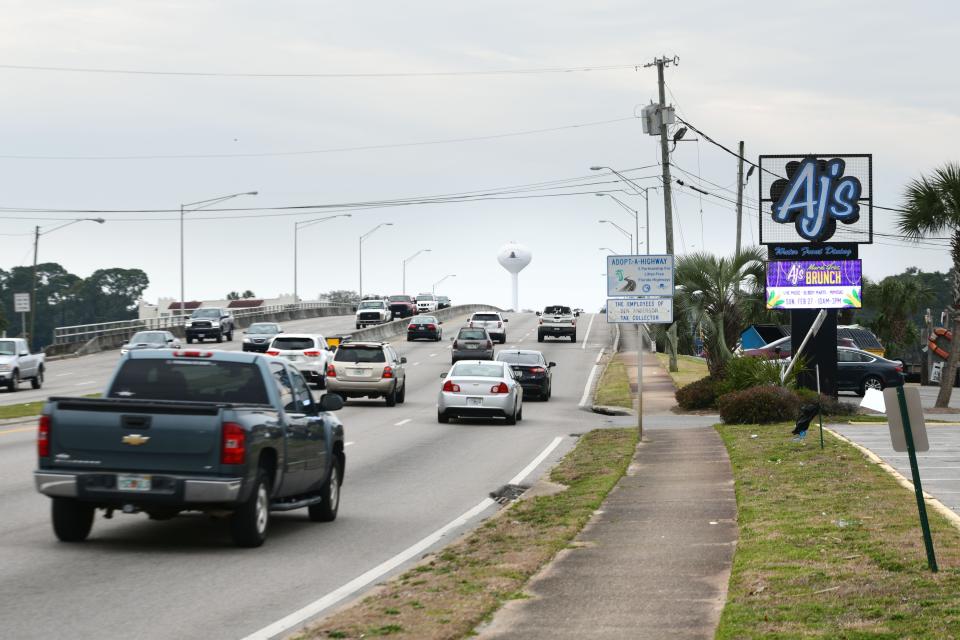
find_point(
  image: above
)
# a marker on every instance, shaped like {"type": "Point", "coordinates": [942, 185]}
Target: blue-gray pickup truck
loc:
{"type": "Point", "coordinates": [230, 434]}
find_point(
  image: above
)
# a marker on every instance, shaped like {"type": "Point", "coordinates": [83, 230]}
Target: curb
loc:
{"type": "Point", "coordinates": [612, 411]}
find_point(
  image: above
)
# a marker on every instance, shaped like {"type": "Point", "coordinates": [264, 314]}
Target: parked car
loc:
{"type": "Point", "coordinates": [471, 343]}
{"type": "Point", "coordinates": [426, 302]}
{"type": "Point", "coordinates": [480, 389]}
{"type": "Point", "coordinates": [211, 322]}
{"type": "Point", "coordinates": [151, 340]}
{"type": "Point", "coordinates": [557, 321]}
{"type": "Point", "coordinates": [783, 348]}
{"type": "Point", "coordinates": [259, 335]}
{"type": "Point", "coordinates": [492, 321]}
{"type": "Point", "coordinates": [309, 353]}
{"type": "Point", "coordinates": [372, 312]}
{"type": "Point", "coordinates": [402, 306]}
{"type": "Point", "coordinates": [531, 369]}
{"type": "Point", "coordinates": [368, 369]}
{"type": "Point", "coordinates": [424, 327]}
{"type": "Point", "coordinates": [18, 364]}
{"type": "Point", "coordinates": [443, 302]}
{"type": "Point", "coordinates": [211, 431]}
{"type": "Point", "coordinates": [859, 370]}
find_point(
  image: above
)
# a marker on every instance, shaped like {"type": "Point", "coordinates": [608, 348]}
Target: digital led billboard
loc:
{"type": "Point", "coordinates": [814, 284]}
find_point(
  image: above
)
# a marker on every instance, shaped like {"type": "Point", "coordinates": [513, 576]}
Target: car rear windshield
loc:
{"type": "Point", "coordinates": [359, 354]}
{"type": "Point", "coordinates": [423, 320]}
{"type": "Point", "coordinates": [557, 311]}
{"type": "Point", "coordinates": [485, 317]}
{"type": "Point", "coordinates": [293, 344]}
{"type": "Point", "coordinates": [189, 380]}
{"type": "Point", "coordinates": [263, 327]}
{"type": "Point", "coordinates": [519, 358]}
{"type": "Point", "coordinates": [477, 369]}
{"type": "Point", "coordinates": [472, 334]}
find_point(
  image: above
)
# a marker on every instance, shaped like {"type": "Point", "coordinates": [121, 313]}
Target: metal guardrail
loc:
{"type": "Point", "coordinates": [85, 332]}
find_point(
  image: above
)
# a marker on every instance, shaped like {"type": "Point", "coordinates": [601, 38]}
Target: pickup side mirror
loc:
{"type": "Point", "coordinates": [403, 360]}
{"type": "Point", "coordinates": [24, 353]}
{"type": "Point", "coordinates": [538, 313]}
{"type": "Point", "coordinates": [331, 402]}
{"type": "Point", "coordinates": [551, 365]}
{"type": "Point", "coordinates": [576, 314]}
{"type": "Point", "coordinates": [506, 319]}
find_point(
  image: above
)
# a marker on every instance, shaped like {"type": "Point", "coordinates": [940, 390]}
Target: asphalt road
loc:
{"type": "Point", "coordinates": [407, 477]}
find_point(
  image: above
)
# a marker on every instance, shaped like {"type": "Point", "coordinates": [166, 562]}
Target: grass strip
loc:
{"type": "Point", "coordinates": [458, 588]}
{"type": "Point", "coordinates": [28, 409]}
{"type": "Point", "coordinates": [690, 368]}
{"type": "Point", "coordinates": [614, 387]}
{"type": "Point", "coordinates": [830, 546]}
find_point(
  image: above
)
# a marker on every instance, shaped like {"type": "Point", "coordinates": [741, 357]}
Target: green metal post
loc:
{"type": "Point", "coordinates": [915, 471]}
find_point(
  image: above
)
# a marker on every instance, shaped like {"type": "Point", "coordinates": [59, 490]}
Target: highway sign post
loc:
{"type": "Point", "coordinates": [21, 305]}
{"type": "Point", "coordinates": [640, 291]}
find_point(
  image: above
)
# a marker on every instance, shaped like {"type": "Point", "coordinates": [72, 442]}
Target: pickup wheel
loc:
{"type": "Point", "coordinates": [37, 381]}
{"type": "Point", "coordinates": [391, 397]}
{"type": "Point", "coordinates": [219, 337]}
{"type": "Point", "coordinates": [573, 338]}
{"type": "Point", "coordinates": [326, 509]}
{"type": "Point", "coordinates": [230, 336]}
{"type": "Point", "coordinates": [14, 384]}
{"type": "Point", "coordinates": [72, 520]}
{"type": "Point", "coordinates": [539, 337]}
{"type": "Point", "coordinates": [248, 524]}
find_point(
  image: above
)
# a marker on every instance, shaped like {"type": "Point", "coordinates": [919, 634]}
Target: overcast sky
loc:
{"type": "Point", "coordinates": [851, 77]}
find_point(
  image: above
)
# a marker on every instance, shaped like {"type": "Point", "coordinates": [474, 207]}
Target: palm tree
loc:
{"type": "Point", "coordinates": [895, 301]}
{"type": "Point", "coordinates": [716, 296]}
{"type": "Point", "coordinates": [933, 207]}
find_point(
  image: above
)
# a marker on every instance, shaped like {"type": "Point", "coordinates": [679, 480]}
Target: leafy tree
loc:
{"type": "Point", "coordinates": [342, 296]}
{"type": "Point", "coordinates": [248, 294]}
{"type": "Point", "coordinates": [233, 295]}
{"type": "Point", "coordinates": [895, 301]}
{"type": "Point", "coordinates": [932, 207]}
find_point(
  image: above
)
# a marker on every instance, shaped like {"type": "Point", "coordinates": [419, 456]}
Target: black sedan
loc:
{"type": "Point", "coordinates": [859, 370]}
{"type": "Point", "coordinates": [427, 327]}
{"type": "Point", "coordinates": [257, 337]}
{"type": "Point", "coordinates": [531, 370]}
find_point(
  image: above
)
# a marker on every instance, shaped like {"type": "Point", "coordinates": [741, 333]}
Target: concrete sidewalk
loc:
{"type": "Point", "coordinates": [655, 559]}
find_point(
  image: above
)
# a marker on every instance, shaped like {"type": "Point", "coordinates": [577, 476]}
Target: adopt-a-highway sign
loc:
{"type": "Point", "coordinates": [640, 310]}
{"type": "Point", "coordinates": [640, 276]}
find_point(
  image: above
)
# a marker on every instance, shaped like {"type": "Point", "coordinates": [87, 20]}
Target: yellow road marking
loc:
{"type": "Point", "coordinates": [20, 430]}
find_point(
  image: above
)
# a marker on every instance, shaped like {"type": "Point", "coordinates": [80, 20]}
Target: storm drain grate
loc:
{"type": "Point", "coordinates": [508, 493]}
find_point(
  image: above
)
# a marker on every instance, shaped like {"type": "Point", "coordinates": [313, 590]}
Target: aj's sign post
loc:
{"type": "Point", "coordinates": [815, 210]}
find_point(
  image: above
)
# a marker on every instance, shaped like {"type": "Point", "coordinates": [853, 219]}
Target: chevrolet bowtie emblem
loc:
{"type": "Point", "coordinates": [135, 439]}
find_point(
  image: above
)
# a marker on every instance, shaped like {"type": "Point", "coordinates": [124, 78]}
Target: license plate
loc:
{"type": "Point", "coordinates": [292, 358]}
{"type": "Point", "coordinates": [356, 372]}
{"type": "Point", "coordinates": [473, 346]}
{"type": "Point", "coordinates": [474, 402]}
{"type": "Point", "coordinates": [201, 335]}
{"type": "Point", "coordinates": [130, 482]}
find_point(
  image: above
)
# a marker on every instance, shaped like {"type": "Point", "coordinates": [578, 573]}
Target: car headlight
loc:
{"type": "Point", "coordinates": [6, 367]}
{"type": "Point", "coordinates": [124, 351]}
{"type": "Point", "coordinates": [247, 340]}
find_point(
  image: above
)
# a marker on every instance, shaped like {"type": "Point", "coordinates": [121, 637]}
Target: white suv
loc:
{"type": "Point", "coordinates": [371, 312]}
{"type": "Point", "coordinates": [426, 302]}
{"type": "Point", "coordinates": [493, 322]}
{"type": "Point", "coordinates": [309, 353]}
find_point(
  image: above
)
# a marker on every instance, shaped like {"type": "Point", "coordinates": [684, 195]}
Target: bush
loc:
{"type": "Point", "coordinates": [746, 372]}
{"type": "Point", "coordinates": [831, 406]}
{"type": "Point", "coordinates": [701, 394]}
{"type": "Point", "coordinates": [759, 405]}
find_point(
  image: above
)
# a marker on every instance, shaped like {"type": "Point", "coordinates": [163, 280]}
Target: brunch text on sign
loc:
{"type": "Point", "coordinates": [815, 197]}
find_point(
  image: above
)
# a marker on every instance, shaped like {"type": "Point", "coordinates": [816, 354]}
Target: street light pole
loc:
{"type": "Point", "coordinates": [183, 210]}
{"type": "Point", "coordinates": [360, 252]}
{"type": "Point", "coordinates": [296, 229]}
{"type": "Point", "coordinates": [405, 268]}
{"type": "Point", "coordinates": [433, 289]}
{"type": "Point", "coordinates": [621, 230]}
{"type": "Point", "coordinates": [639, 190]}
{"type": "Point", "coordinates": [33, 288]}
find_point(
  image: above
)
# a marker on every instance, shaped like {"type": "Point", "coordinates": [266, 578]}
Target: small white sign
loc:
{"type": "Point", "coordinates": [640, 310]}
{"type": "Point", "coordinates": [640, 276]}
{"type": "Point", "coordinates": [914, 412]}
{"type": "Point", "coordinates": [21, 302]}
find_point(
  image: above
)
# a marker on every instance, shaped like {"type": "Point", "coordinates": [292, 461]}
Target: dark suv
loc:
{"type": "Point", "coordinates": [211, 322]}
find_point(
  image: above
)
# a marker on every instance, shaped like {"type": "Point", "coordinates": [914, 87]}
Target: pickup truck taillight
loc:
{"type": "Point", "coordinates": [500, 388]}
{"type": "Point", "coordinates": [450, 387]}
{"type": "Point", "coordinates": [233, 447]}
{"type": "Point", "coordinates": [43, 437]}
{"type": "Point", "coordinates": [541, 320]}
{"type": "Point", "coordinates": [312, 354]}
{"type": "Point", "coordinates": [387, 372]}
{"type": "Point", "coordinates": [331, 371]}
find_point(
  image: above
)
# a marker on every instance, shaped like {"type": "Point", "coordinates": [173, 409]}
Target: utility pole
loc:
{"type": "Point", "coordinates": [739, 195]}
{"type": "Point", "coordinates": [33, 289]}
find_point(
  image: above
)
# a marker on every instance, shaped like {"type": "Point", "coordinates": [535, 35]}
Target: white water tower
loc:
{"type": "Point", "coordinates": [514, 257]}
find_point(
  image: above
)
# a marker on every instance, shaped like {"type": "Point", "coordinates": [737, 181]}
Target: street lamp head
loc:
{"type": "Point", "coordinates": [597, 168]}
{"type": "Point", "coordinates": [251, 193]}
{"type": "Point", "coordinates": [602, 221]}
{"type": "Point", "coordinates": [600, 194]}
{"type": "Point", "coordinates": [97, 220]}
{"type": "Point", "coordinates": [682, 131]}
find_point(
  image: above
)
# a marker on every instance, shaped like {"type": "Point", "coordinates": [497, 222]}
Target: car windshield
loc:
{"type": "Point", "coordinates": [359, 354]}
{"type": "Point", "coordinates": [373, 304]}
{"type": "Point", "coordinates": [263, 328]}
{"type": "Point", "coordinates": [399, 298]}
{"type": "Point", "coordinates": [189, 380]}
{"type": "Point", "coordinates": [8, 348]}
{"type": "Point", "coordinates": [149, 337]}
{"type": "Point", "coordinates": [206, 313]}
{"type": "Point", "coordinates": [423, 320]}
{"type": "Point", "coordinates": [427, 298]}
{"type": "Point", "coordinates": [485, 317]}
{"type": "Point", "coordinates": [477, 369]}
{"type": "Point", "coordinates": [473, 334]}
{"type": "Point", "coordinates": [519, 358]}
{"type": "Point", "coordinates": [557, 311]}
{"type": "Point", "coordinates": [293, 344]}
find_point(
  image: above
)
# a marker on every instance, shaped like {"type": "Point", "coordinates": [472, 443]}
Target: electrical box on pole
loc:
{"type": "Point", "coordinates": [653, 118]}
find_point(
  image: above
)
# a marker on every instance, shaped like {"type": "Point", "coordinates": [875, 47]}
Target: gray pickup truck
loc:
{"type": "Point", "coordinates": [558, 321]}
{"type": "Point", "coordinates": [230, 434]}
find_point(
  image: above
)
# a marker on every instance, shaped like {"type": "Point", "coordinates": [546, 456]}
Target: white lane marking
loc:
{"type": "Point", "coordinates": [587, 337]}
{"type": "Point", "coordinates": [433, 355]}
{"type": "Point", "coordinates": [416, 363]}
{"type": "Point", "coordinates": [347, 444]}
{"type": "Point", "coordinates": [83, 384]}
{"type": "Point", "coordinates": [589, 385]}
{"type": "Point", "coordinates": [513, 346]}
{"type": "Point", "coordinates": [60, 375]}
{"type": "Point", "coordinates": [317, 606]}
{"type": "Point", "coordinates": [527, 470]}
{"type": "Point", "coordinates": [402, 422]}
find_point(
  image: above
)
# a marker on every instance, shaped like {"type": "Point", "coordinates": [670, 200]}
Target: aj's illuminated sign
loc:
{"type": "Point", "coordinates": [814, 284]}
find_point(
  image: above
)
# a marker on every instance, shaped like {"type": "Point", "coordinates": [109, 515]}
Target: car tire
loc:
{"type": "Point", "coordinates": [230, 336]}
{"type": "Point", "coordinates": [326, 509]}
{"type": "Point", "coordinates": [546, 397]}
{"type": "Point", "coordinates": [871, 382]}
{"type": "Point", "coordinates": [391, 397]}
{"type": "Point", "coordinates": [72, 519]}
{"type": "Point", "coordinates": [402, 396]}
{"type": "Point", "coordinates": [249, 523]}
{"type": "Point", "coordinates": [442, 418]}
{"type": "Point", "coordinates": [14, 384]}
{"type": "Point", "coordinates": [573, 338]}
{"type": "Point", "coordinates": [358, 325]}
{"type": "Point", "coordinates": [37, 381]}
{"type": "Point", "coordinates": [511, 419]}
{"type": "Point", "coordinates": [539, 337]}
{"type": "Point", "coordinates": [503, 339]}
{"type": "Point", "coordinates": [322, 382]}
{"type": "Point", "coordinates": [189, 340]}
{"type": "Point", "coordinates": [520, 414]}
{"type": "Point", "coordinates": [219, 337]}
{"type": "Point", "coordinates": [409, 339]}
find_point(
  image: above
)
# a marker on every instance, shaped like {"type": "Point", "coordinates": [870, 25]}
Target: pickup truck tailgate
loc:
{"type": "Point", "coordinates": [151, 436]}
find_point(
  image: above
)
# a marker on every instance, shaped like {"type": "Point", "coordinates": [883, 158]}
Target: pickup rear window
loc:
{"type": "Point", "coordinates": [485, 317]}
{"type": "Point", "coordinates": [359, 354]}
{"type": "Point", "coordinates": [189, 380]}
{"type": "Point", "coordinates": [293, 344]}
{"type": "Point", "coordinates": [557, 311]}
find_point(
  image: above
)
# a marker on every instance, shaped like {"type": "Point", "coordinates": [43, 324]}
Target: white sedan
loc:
{"type": "Point", "coordinates": [480, 389]}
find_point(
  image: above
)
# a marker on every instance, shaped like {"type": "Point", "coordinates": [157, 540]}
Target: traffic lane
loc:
{"type": "Point", "coordinates": [90, 374]}
{"type": "Point", "coordinates": [401, 483]}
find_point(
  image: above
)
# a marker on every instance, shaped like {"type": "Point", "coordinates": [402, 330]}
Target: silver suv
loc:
{"type": "Point", "coordinates": [492, 321]}
{"type": "Point", "coordinates": [368, 369]}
